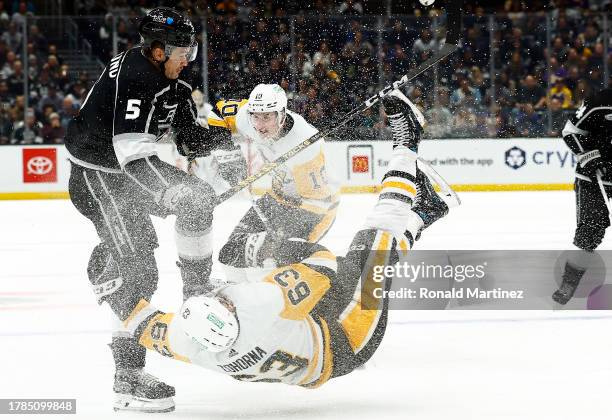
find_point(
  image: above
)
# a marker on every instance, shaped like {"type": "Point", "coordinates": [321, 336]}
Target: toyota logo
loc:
{"type": "Point", "coordinates": [39, 165]}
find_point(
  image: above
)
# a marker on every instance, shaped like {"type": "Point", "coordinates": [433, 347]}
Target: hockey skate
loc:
{"type": "Point", "coordinates": [570, 281]}
{"type": "Point", "coordinates": [428, 204]}
{"type": "Point", "coordinates": [136, 390]}
{"type": "Point", "coordinates": [405, 119]}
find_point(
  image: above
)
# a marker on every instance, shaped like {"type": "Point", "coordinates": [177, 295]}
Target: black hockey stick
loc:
{"type": "Point", "coordinates": [453, 29]}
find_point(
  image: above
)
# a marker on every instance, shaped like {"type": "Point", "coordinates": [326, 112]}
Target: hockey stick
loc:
{"type": "Point", "coordinates": [191, 165]}
{"type": "Point", "coordinates": [453, 13]}
{"type": "Point", "coordinates": [602, 188]}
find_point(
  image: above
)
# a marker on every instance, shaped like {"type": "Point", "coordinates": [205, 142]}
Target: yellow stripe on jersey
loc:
{"type": "Point", "coordinates": [358, 323]}
{"type": "Point", "coordinates": [322, 258]}
{"type": "Point", "coordinates": [323, 226]}
{"type": "Point", "coordinates": [328, 358]}
{"type": "Point", "coordinates": [400, 185]}
{"type": "Point", "coordinates": [315, 359]}
{"type": "Point", "coordinates": [302, 289]}
{"type": "Point", "coordinates": [214, 122]}
{"type": "Point", "coordinates": [156, 337]}
{"type": "Point", "coordinates": [228, 110]}
{"type": "Point", "coordinates": [139, 307]}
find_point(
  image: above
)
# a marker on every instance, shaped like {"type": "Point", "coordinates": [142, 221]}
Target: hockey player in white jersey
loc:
{"type": "Point", "coordinates": [303, 200]}
{"type": "Point", "coordinates": [315, 317]}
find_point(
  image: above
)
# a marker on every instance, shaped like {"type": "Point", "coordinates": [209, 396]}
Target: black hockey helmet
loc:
{"type": "Point", "coordinates": [172, 29]}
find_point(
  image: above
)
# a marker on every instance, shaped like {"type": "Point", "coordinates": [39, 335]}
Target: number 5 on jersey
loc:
{"type": "Point", "coordinates": [133, 109]}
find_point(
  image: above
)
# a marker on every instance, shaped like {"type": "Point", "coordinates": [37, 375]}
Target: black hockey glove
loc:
{"type": "Point", "coordinates": [232, 165]}
{"type": "Point", "coordinates": [590, 162]}
{"type": "Point", "coordinates": [196, 141]}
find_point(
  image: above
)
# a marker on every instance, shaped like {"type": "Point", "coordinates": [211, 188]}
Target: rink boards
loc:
{"type": "Point", "coordinates": [468, 165]}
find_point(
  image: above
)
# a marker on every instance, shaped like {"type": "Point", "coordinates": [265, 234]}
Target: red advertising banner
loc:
{"type": "Point", "coordinates": [40, 165]}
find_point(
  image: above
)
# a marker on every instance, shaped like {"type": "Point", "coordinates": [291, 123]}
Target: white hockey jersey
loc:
{"type": "Point", "coordinates": [302, 181]}
{"type": "Point", "coordinates": [279, 340]}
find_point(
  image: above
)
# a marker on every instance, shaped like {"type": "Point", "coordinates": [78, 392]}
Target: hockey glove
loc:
{"type": "Point", "coordinates": [196, 141]}
{"type": "Point", "coordinates": [232, 165]}
{"type": "Point", "coordinates": [590, 162]}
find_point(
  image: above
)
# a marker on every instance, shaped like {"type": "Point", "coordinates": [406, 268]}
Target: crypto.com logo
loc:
{"type": "Point", "coordinates": [39, 165]}
{"type": "Point", "coordinates": [515, 158]}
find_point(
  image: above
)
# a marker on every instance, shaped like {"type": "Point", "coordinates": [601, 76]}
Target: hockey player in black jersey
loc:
{"type": "Point", "coordinates": [117, 181]}
{"type": "Point", "coordinates": [587, 134]}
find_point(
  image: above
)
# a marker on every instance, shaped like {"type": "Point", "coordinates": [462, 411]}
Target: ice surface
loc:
{"type": "Point", "coordinates": [431, 365]}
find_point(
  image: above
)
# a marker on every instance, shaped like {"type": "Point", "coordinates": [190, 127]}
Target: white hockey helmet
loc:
{"type": "Point", "coordinates": [266, 99]}
{"type": "Point", "coordinates": [211, 321]}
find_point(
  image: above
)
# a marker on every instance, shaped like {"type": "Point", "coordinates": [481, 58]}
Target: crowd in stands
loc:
{"type": "Point", "coordinates": [54, 94]}
{"type": "Point", "coordinates": [331, 55]}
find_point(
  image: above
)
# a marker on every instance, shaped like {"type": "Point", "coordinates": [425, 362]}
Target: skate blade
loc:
{"type": "Point", "coordinates": [126, 402]}
{"type": "Point", "coordinates": [445, 192]}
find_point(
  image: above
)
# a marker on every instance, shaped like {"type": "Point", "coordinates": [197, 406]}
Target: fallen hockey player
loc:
{"type": "Point", "coordinates": [314, 317]}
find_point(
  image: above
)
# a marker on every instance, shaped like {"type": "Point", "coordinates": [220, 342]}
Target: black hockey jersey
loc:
{"type": "Point", "coordinates": [128, 109]}
{"type": "Point", "coordinates": [590, 128]}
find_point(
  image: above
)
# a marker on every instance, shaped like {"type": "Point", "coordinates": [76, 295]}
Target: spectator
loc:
{"type": "Point", "coordinates": [53, 67]}
{"type": "Point", "coordinates": [465, 95]}
{"type": "Point", "coordinates": [37, 39]}
{"type": "Point", "coordinates": [464, 123]}
{"type": "Point", "coordinates": [478, 81]}
{"type": "Point", "coordinates": [350, 7]}
{"type": "Point", "coordinates": [573, 76]}
{"type": "Point", "coordinates": [53, 97]}
{"type": "Point", "coordinates": [53, 132]}
{"type": "Point", "coordinates": [12, 37]}
{"type": "Point", "coordinates": [532, 93]}
{"type": "Point", "coordinates": [529, 123]}
{"type": "Point", "coordinates": [559, 49]}
{"type": "Point", "coordinates": [558, 118]}
{"type": "Point", "coordinates": [322, 55]}
{"type": "Point", "coordinates": [6, 125]}
{"type": "Point", "coordinates": [69, 110]}
{"type": "Point", "coordinates": [28, 133]}
{"type": "Point", "coordinates": [581, 92]}
{"type": "Point", "coordinates": [16, 110]}
{"type": "Point", "coordinates": [400, 35]}
{"type": "Point", "coordinates": [504, 99]}
{"type": "Point", "coordinates": [561, 91]}
{"type": "Point", "coordinates": [46, 111]}
{"type": "Point", "coordinates": [6, 98]}
{"type": "Point", "coordinates": [19, 17]}
{"type": "Point", "coordinates": [439, 117]}
{"type": "Point", "coordinates": [52, 50]}
{"type": "Point", "coordinates": [16, 80]}
{"type": "Point", "coordinates": [7, 68]}
{"type": "Point", "coordinates": [478, 45]}
{"type": "Point", "coordinates": [425, 43]}
{"type": "Point", "coordinates": [4, 16]}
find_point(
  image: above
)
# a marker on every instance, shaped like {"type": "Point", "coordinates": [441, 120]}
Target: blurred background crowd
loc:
{"type": "Point", "coordinates": [521, 69]}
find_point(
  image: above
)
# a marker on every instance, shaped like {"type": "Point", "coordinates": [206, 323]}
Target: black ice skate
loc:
{"type": "Point", "coordinates": [136, 390]}
{"type": "Point", "coordinates": [405, 119]}
{"type": "Point", "coordinates": [428, 204]}
{"type": "Point", "coordinates": [571, 280]}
